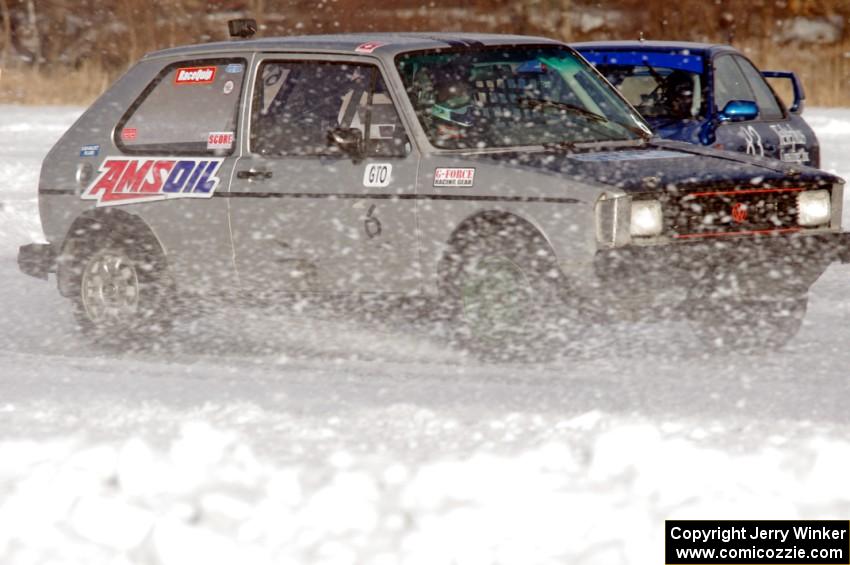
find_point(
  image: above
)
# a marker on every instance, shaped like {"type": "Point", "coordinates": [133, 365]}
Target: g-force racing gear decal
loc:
{"type": "Point", "coordinates": [454, 176]}
{"type": "Point", "coordinates": [126, 181]}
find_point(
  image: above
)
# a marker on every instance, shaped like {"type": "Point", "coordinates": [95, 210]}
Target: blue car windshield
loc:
{"type": "Point", "coordinates": [514, 96]}
{"type": "Point", "coordinates": [663, 86]}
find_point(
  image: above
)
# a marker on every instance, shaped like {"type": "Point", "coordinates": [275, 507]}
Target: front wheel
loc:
{"type": "Point", "coordinates": [507, 293]}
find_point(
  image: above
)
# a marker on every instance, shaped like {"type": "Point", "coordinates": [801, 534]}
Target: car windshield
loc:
{"type": "Point", "coordinates": [663, 87]}
{"type": "Point", "coordinates": [514, 96]}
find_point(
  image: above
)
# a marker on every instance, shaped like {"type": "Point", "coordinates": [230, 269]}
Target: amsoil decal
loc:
{"type": "Point", "coordinates": [220, 140]}
{"type": "Point", "coordinates": [447, 176]}
{"type": "Point", "coordinates": [126, 181]}
{"type": "Point", "coordinates": [368, 47]}
{"type": "Point", "coordinates": [195, 75]}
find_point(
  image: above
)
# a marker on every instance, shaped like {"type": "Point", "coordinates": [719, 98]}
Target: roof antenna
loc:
{"type": "Point", "coordinates": [242, 28]}
{"type": "Point", "coordinates": [641, 38]}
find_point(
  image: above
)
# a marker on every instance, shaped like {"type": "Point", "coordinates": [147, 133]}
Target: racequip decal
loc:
{"type": "Point", "coordinates": [368, 47]}
{"type": "Point", "coordinates": [607, 156]}
{"type": "Point", "coordinates": [89, 150]}
{"type": "Point", "coordinates": [220, 140]}
{"type": "Point", "coordinates": [195, 75]}
{"type": "Point", "coordinates": [447, 176]}
{"type": "Point", "coordinates": [126, 181]}
{"type": "Point", "coordinates": [129, 134]}
{"type": "Point", "coordinates": [377, 175]}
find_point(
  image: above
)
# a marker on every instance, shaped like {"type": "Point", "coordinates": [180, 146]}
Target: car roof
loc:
{"type": "Point", "coordinates": [391, 43]}
{"type": "Point", "coordinates": [652, 46]}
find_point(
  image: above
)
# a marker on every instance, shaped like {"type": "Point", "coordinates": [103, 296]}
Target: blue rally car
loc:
{"type": "Point", "coordinates": [709, 95]}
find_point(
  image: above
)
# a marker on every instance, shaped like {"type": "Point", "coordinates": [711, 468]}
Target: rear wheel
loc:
{"type": "Point", "coordinates": [121, 288]}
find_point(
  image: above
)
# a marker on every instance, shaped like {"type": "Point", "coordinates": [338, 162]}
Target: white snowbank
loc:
{"type": "Point", "coordinates": [208, 499]}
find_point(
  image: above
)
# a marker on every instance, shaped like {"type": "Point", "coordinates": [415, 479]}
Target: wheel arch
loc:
{"type": "Point", "coordinates": [494, 219]}
{"type": "Point", "coordinates": [95, 223]}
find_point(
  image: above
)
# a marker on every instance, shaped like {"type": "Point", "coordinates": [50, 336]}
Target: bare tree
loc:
{"type": "Point", "coordinates": [7, 32]}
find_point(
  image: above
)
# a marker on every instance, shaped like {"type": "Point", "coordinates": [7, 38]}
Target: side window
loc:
{"type": "Point", "coordinates": [769, 108]}
{"type": "Point", "coordinates": [729, 83]}
{"type": "Point", "coordinates": [386, 133]}
{"type": "Point", "coordinates": [191, 107]}
{"type": "Point", "coordinates": [297, 104]}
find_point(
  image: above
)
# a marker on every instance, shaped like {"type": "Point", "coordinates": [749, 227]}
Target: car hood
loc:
{"type": "Point", "coordinates": [663, 165]}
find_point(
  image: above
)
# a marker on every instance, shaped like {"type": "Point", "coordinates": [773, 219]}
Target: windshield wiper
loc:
{"type": "Point", "coordinates": [543, 103]}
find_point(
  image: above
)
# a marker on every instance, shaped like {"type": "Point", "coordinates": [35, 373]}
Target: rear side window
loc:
{"type": "Point", "coordinates": [297, 104]}
{"type": "Point", "coordinates": [190, 108]}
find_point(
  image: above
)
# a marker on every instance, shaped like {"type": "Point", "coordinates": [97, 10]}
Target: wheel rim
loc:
{"type": "Point", "coordinates": [496, 296]}
{"type": "Point", "coordinates": [110, 288]}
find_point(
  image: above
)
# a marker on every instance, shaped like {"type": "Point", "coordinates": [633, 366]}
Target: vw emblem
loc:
{"type": "Point", "coordinates": [739, 213]}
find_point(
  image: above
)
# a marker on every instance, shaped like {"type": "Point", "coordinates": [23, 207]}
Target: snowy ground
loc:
{"type": "Point", "coordinates": [308, 441]}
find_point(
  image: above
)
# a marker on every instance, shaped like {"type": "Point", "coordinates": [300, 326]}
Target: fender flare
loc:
{"type": "Point", "coordinates": [494, 218]}
{"type": "Point", "coordinates": [92, 224]}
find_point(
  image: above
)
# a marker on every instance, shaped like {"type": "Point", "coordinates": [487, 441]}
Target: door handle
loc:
{"type": "Point", "coordinates": [254, 175]}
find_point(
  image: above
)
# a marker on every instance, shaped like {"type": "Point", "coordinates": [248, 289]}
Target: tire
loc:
{"type": "Point", "coordinates": [505, 291]}
{"type": "Point", "coordinates": [748, 325]}
{"type": "Point", "coordinates": [121, 288]}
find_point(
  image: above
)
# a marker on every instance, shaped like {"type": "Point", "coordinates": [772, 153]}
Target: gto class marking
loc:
{"type": "Point", "coordinates": [126, 181]}
{"type": "Point", "coordinates": [377, 175]}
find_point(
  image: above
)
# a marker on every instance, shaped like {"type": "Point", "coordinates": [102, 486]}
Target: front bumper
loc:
{"type": "Point", "coordinates": [37, 260]}
{"type": "Point", "coordinates": [755, 266]}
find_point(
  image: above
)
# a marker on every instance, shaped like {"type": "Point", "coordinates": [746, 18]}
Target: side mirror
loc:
{"type": "Point", "coordinates": [739, 111]}
{"type": "Point", "coordinates": [349, 141]}
{"type": "Point", "coordinates": [796, 87]}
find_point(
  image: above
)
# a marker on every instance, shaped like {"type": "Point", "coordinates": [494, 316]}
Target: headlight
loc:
{"type": "Point", "coordinates": [814, 208]}
{"type": "Point", "coordinates": [612, 217]}
{"type": "Point", "coordinates": [647, 220]}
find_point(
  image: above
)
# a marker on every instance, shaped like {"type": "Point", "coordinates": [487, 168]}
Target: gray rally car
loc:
{"type": "Point", "coordinates": [497, 177]}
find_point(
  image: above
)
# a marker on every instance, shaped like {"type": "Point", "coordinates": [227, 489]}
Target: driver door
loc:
{"type": "Point", "coordinates": [307, 216]}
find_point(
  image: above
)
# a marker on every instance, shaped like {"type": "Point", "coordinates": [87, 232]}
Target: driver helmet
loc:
{"type": "Point", "coordinates": [452, 101]}
{"type": "Point", "coordinates": [678, 94]}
